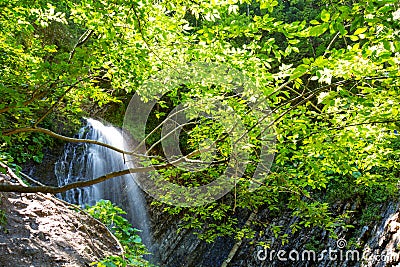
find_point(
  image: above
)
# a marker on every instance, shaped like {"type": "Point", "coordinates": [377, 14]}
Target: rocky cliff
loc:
{"type": "Point", "coordinates": [372, 243]}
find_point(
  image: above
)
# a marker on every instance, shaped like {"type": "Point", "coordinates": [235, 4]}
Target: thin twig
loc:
{"type": "Point", "coordinates": [70, 139]}
{"type": "Point", "coordinates": [82, 40]}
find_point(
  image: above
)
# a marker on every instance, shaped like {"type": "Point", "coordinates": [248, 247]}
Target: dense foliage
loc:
{"type": "Point", "coordinates": [111, 216]}
{"type": "Point", "coordinates": [329, 72]}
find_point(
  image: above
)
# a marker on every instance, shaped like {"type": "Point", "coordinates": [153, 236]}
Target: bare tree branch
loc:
{"type": "Point", "coordinates": [4, 187]}
{"type": "Point", "coordinates": [83, 39]}
{"type": "Point", "coordinates": [59, 189]}
{"type": "Point", "coordinates": [237, 245]}
{"type": "Point", "coordinates": [27, 177]}
{"type": "Point", "coordinates": [12, 174]}
{"type": "Point", "coordinates": [156, 128]}
{"type": "Point", "coordinates": [70, 139]}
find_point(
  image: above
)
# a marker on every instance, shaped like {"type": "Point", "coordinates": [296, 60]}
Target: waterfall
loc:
{"type": "Point", "coordinates": [88, 161]}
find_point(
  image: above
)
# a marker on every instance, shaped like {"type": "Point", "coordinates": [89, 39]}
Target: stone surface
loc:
{"type": "Point", "coordinates": [375, 243]}
{"type": "Point", "coordinates": [41, 230]}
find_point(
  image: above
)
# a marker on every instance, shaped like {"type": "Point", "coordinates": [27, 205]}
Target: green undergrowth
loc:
{"type": "Point", "coordinates": [134, 249]}
{"type": "Point", "coordinates": [3, 218]}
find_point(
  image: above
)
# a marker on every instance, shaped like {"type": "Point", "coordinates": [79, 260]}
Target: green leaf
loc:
{"type": "Point", "coordinates": [299, 71]}
{"type": "Point", "coordinates": [341, 28]}
{"type": "Point", "coordinates": [353, 38]}
{"type": "Point", "coordinates": [325, 15]}
{"type": "Point", "coordinates": [318, 30]}
{"type": "Point", "coordinates": [360, 30]}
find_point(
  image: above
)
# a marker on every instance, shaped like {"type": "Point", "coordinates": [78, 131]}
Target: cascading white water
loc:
{"type": "Point", "coordinates": [88, 161]}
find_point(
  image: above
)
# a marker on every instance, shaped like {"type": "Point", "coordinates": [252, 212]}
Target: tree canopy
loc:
{"type": "Point", "coordinates": [324, 76]}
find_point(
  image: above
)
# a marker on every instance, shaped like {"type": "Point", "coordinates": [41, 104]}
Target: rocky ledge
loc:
{"type": "Point", "coordinates": [41, 230]}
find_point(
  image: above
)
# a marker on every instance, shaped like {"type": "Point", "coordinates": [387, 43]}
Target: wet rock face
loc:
{"type": "Point", "coordinates": [377, 244]}
{"type": "Point", "coordinates": [173, 248]}
{"type": "Point", "coordinates": [44, 171]}
{"type": "Point", "coordinates": [185, 249]}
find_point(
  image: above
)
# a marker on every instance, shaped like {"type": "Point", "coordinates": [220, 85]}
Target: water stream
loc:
{"type": "Point", "coordinates": [88, 161]}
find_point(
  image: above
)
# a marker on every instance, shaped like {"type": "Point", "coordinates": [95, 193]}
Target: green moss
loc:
{"type": "Point", "coordinates": [3, 219]}
{"type": "Point", "coordinates": [314, 244]}
{"type": "Point", "coordinates": [370, 214]}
